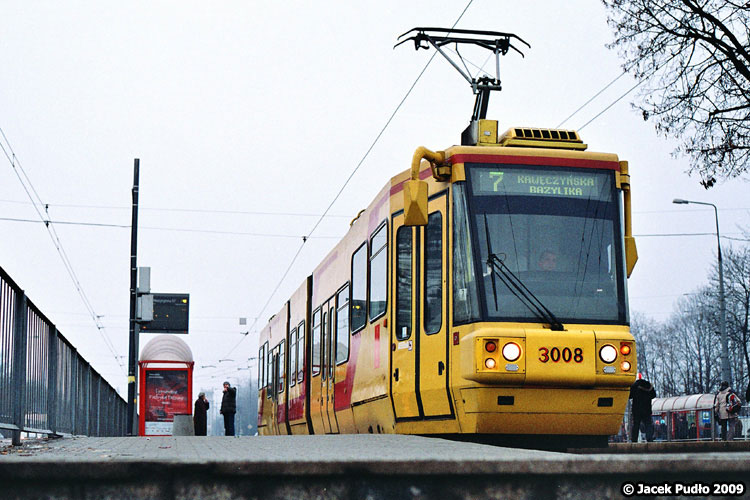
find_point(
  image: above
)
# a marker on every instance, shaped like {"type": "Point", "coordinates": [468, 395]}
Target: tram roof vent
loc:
{"type": "Point", "coordinates": [542, 138]}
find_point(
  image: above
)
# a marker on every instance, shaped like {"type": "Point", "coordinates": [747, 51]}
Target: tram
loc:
{"type": "Point", "coordinates": [481, 295]}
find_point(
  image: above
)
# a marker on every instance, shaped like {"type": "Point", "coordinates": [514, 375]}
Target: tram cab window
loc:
{"type": "Point", "coordinates": [555, 230]}
{"type": "Point", "coordinates": [403, 282]}
{"type": "Point", "coordinates": [316, 335]}
{"type": "Point", "coordinates": [378, 272]}
{"type": "Point", "coordinates": [342, 326]}
{"type": "Point", "coordinates": [465, 292]}
{"type": "Point", "coordinates": [357, 307]}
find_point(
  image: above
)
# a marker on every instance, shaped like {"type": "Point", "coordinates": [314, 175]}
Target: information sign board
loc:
{"type": "Point", "coordinates": [170, 314]}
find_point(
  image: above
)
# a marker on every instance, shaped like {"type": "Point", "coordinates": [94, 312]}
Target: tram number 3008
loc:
{"type": "Point", "coordinates": [565, 354]}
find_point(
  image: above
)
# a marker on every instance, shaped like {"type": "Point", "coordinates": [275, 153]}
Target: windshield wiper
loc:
{"type": "Point", "coordinates": [517, 288]}
{"type": "Point", "coordinates": [489, 252]}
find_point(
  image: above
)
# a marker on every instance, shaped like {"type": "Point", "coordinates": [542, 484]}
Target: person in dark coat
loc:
{"type": "Point", "coordinates": [199, 415]}
{"type": "Point", "coordinates": [641, 392]}
{"type": "Point", "coordinates": [229, 408]}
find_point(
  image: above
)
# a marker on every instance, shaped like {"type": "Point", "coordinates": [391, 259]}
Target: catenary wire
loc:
{"type": "Point", "coordinates": [348, 179]}
{"type": "Point", "coordinates": [18, 170]}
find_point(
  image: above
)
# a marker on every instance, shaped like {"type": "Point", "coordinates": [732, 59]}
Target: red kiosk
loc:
{"type": "Point", "coordinates": [166, 384]}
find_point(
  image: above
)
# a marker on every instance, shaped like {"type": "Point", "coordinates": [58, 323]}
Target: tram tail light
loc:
{"type": "Point", "coordinates": [490, 346]}
{"type": "Point", "coordinates": [624, 348]}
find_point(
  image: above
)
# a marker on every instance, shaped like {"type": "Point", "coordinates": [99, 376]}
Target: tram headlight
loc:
{"type": "Point", "coordinates": [625, 366]}
{"type": "Point", "coordinates": [511, 351]}
{"type": "Point", "coordinates": [490, 363]}
{"type": "Point", "coordinates": [608, 353]}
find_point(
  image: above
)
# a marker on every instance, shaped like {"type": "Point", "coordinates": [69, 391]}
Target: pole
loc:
{"type": "Point", "coordinates": [726, 373]}
{"type": "Point", "coordinates": [133, 351]}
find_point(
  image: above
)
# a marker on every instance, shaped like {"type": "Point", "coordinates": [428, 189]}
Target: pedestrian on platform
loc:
{"type": "Point", "coordinates": [641, 392]}
{"type": "Point", "coordinates": [229, 408]}
{"type": "Point", "coordinates": [200, 415]}
{"type": "Point", "coordinates": [727, 420]}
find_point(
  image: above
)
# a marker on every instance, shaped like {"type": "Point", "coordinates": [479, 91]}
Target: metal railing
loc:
{"type": "Point", "coordinates": [46, 387]}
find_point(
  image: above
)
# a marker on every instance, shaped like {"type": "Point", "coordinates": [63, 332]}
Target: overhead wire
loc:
{"type": "Point", "coordinates": [348, 179]}
{"type": "Point", "coordinates": [156, 228]}
{"type": "Point", "coordinates": [625, 70]}
{"type": "Point", "coordinates": [28, 187]}
{"type": "Point", "coordinates": [179, 209]}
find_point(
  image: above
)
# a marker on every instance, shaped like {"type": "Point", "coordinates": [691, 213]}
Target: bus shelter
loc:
{"type": "Point", "coordinates": [689, 417]}
{"type": "Point", "coordinates": [166, 384]}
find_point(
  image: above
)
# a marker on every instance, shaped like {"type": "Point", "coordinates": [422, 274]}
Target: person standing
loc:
{"type": "Point", "coordinates": [200, 415]}
{"type": "Point", "coordinates": [229, 408]}
{"type": "Point", "coordinates": [641, 392]}
{"type": "Point", "coordinates": [727, 421]}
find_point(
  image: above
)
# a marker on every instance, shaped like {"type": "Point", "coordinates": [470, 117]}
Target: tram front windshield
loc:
{"type": "Point", "coordinates": [554, 230]}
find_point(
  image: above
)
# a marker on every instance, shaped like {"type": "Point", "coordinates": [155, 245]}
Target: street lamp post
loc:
{"type": "Point", "coordinates": [726, 374]}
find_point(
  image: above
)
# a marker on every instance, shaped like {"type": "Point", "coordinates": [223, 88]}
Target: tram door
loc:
{"type": "Point", "coordinates": [433, 330]}
{"type": "Point", "coordinates": [404, 382]}
{"type": "Point", "coordinates": [275, 387]}
{"type": "Point", "coordinates": [317, 396]}
{"type": "Point", "coordinates": [329, 365]}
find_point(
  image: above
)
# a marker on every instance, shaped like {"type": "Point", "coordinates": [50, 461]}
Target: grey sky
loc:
{"type": "Point", "coordinates": [268, 107]}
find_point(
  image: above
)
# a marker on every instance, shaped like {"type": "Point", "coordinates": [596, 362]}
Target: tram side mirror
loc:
{"type": "Point", "coordinates": [415, 203]}
{"type": "Point", "coordinates": [631, 254]}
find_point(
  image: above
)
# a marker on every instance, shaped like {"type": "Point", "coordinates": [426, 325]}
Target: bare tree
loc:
{"type": "Point", "coordinates": [694, 60]}
{"type": "Point", "coordinates": [737, 281]}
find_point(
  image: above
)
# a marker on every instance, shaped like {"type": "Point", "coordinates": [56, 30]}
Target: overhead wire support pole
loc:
{"type": "Point", "coordinates": [133, 349]}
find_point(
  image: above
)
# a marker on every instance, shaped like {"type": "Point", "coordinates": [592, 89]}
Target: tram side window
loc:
{"type": "Point", "coordinates": [281, 367]}
{"type": "Point", "coordinates": [269, 373]}
{"type": "Point", "coordinates": [301, 352]}
{"type": "Point", "coordinates": [325, 356]}
{"type": "Point", "coordinates": [433, 267]}
{"type": "Point", "coordinates": [378, 272]}
{"type": "Point", "coordinates": [293, 357]}
{"type": "Point", "coordinates": [316, 343]}
{"type": "Point", "coordinates": [358, 315]}
{"type": "Point", "coordinates": [261, 366]}
{"type": "Point", "coordinates": [403, 282]}
{"type": "Point", "coordinates": [342, 326]}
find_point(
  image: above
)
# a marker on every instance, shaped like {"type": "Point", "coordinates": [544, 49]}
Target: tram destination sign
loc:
{"type": "Point", "coordinates": [170, 314]}
{"type": "Point", "coordinates": [554, 183]}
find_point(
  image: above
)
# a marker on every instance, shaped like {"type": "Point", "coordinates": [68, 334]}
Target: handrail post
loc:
{"type": "Point", "coordinates": [19, 365]}
{"type": "Point", "coordinates": [52, 381]}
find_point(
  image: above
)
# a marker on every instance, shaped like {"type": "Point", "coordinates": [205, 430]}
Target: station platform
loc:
{"type": "Point", "coordinates": [348, 466]}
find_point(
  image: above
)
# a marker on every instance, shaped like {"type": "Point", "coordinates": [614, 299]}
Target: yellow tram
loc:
{"type": "Point", "coordinates": [481, 294]}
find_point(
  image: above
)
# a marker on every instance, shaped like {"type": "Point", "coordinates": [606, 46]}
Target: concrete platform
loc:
{"type": "Point", "coordinates": [337, 467]}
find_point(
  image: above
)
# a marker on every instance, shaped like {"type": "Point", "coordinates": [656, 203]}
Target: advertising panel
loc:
{"type": "Point", "coordinates": [166, 394]}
